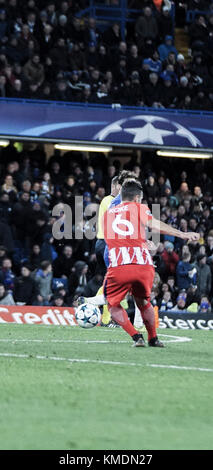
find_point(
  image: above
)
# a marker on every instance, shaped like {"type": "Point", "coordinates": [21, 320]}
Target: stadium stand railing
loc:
{"type": "Point", "coordinates": [107, 15]}
{"type": "Point", "coordinates": [191, 15]}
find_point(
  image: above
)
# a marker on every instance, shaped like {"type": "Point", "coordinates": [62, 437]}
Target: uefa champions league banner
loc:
{"type": "Point", "coordinates": [107, 124]}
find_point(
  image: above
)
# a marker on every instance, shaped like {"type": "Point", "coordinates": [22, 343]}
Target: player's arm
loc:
{"type": "Point", "coordinates": [158, 226]}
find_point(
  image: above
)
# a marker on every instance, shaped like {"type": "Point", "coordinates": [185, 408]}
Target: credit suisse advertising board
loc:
{"type": "Point", "coordinates": [65, 316]}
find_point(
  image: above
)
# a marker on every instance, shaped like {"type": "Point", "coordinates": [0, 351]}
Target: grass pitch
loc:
{"type": "Point", "coordinates": [69, 388]}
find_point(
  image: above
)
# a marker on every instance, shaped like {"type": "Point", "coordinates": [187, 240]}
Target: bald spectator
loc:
{"type": "Point", "coordinates": [146, 27]}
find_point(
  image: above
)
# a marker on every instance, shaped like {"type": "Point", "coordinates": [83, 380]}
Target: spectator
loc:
{"type": "Point", "coordinates": [3, 254]}
{"type": "Point", "coordinates": [48, 251]}
{"type": "Point", "coordinates": [25, 287]}
{"type": "Point", "coordinates": [152, 91]}
{"type": "Point", "coordinates": [34, 71]}
{"type": "Point", "coordinates": [181, 304]}
{"type": "Point", "coordinates": [78, 278]}
{"type": "Point", "coordinates": [5, 208]}
{"type": "Point", "coordinates": [93, 285]}
{"type": "Point", "coordinates": [166, 302]}
{"type": "Point", "coordinates": [46, 40]}
{"type": "Point", "coordinates": [165, 25]}
{"type": "Point", "coordinates": [168, 91]}
{"type": "Point", "coordinates": [9, 187]}
{"type": "Point", "coordinates": [151, 190]}
{"type": "Point", "coordinates": [146, 27]}
{"type": "Point", "coordinates": [35, 258]}
{"type": "Point", "coordinates": [20, 214]}
{"type": "Point", "coordinates": [76, 58]}
{"type": "Point", "coordinates": [172, 287]}
{"type": "Point", "coordinates": [193, 296]}
{"type": "Point", "coordinates": [91, 33]}
{"type": "Point", "coordinates": [59, 55]}
{"type": "Point", "coordinates": [4, 25]}
{"type": "Point", "coordinates": [7, 276]}
{"type": "Point", "coordinates": [63, 264]}
{"type": "Point", "coordinates": [185, 272]}
{"type": "Point", "coordinates": [205, 306]}
{"type": "Point", "coordinates": [58, 300]}
{"type": "Point", "coordinates": [204, 277]}
{"type": "Point", "coordinates": [112, 36]}
{"type": "Point", "coordinates": [133, 59]}
{"type": "Point", "coordinates": [75, 30]}
{"type": "Point", "coordinates": [43, 278]}
{"type": "Point", "coordinates": [198, 33]}
{"type": "Point", "coordinates": [209, 246]}
{"type": "Point", "coordinates": [170, 258]}
{"type": "Point", "coordinates": [6, 298]}
{"type": "Point", "coordinates": [166, 47]}
{"type": "Point", "coordinates": [6, 237]}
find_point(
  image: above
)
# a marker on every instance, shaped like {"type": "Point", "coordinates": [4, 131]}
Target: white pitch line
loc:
{"type": "Point", "coordinates": [173, 339]}
{"type": "Point", "coordinates": [114, 363]}
{"type": "Point", "coordinates": [59, 341]}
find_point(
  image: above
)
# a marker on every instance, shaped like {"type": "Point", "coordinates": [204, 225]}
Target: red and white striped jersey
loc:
{"type": "Point", "coordinates": [125, 234]}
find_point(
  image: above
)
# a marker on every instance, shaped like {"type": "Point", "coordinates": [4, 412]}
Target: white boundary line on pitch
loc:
{"type": "Point", "coordinates": [95, 361]}
{"type": "Point", "coordinates": [176, 339]}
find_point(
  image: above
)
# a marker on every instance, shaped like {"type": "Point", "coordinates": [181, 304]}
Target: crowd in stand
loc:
{"type": "Point", "coordinates": [47, 52]}
{"type": "Point", "coordinates": [41, 269]}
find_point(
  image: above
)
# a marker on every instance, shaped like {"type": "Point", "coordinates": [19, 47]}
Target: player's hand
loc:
{"type": "Point", "coordinates": [191, 236]}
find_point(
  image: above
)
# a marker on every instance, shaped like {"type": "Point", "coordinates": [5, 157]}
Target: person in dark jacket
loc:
{"type": "Point", "coordinates": [165, 25]}
{"type": "Point", "coordinates": [185, 272]}
{"type": "Point", "coordinates": [35, 258]}
{"type": "Point", "coordinates": [5, 208]}
{"type": "Point", "coordinates": [93, 285]}
{"type": "Point", "coordinates": [20, 214]}
{"type": "Point", "coordinates": [152, 90]}
{"type": "Point", "coordinates": [78, 278]}
{"type": "Point", "coordinates": [25, 288]}
{"type": "Point", "coordinates": [146, 27]}
{"type": "Point", "coordinates": [151, 190]}
{"type": "Point", "coordinates": [7, 276]}
{"type": "Point", "coordinates": [204, 277]}
{"type": "Point", "coordinates": [63, 264]}
{"type": "Point", "coordinates": [48, 251]}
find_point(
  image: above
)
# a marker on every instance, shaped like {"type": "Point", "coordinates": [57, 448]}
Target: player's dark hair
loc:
{"type": "Point", "coordinates": [130, 189]}
{"type": "Point", "coordinates": [124, 174]}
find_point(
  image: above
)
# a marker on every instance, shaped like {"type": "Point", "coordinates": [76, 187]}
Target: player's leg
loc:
{"type": "Point", "coordinates": [116, 286]}
{"type": "Point", "coordinates": [141, 292]}
{"type": "Point", "coordinates": [148, 315]}
{"type": "Point", "coordinates": [98, 300]}
{"type": "Point", "coordinates": [99, 251]}
{"type": "Point", "coordinates": [138, 322]}
{"type": "Point", "coordinates": [119, 315]}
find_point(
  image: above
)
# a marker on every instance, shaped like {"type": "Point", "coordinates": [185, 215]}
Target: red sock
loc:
{"type": "Point", "coordinates": [119, 315]}
{"type": "Point", "coordinates": [148, 315]}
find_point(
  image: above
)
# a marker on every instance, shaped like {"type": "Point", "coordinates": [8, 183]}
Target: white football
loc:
{"type": "Point", "coordinates": [88, 315]}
